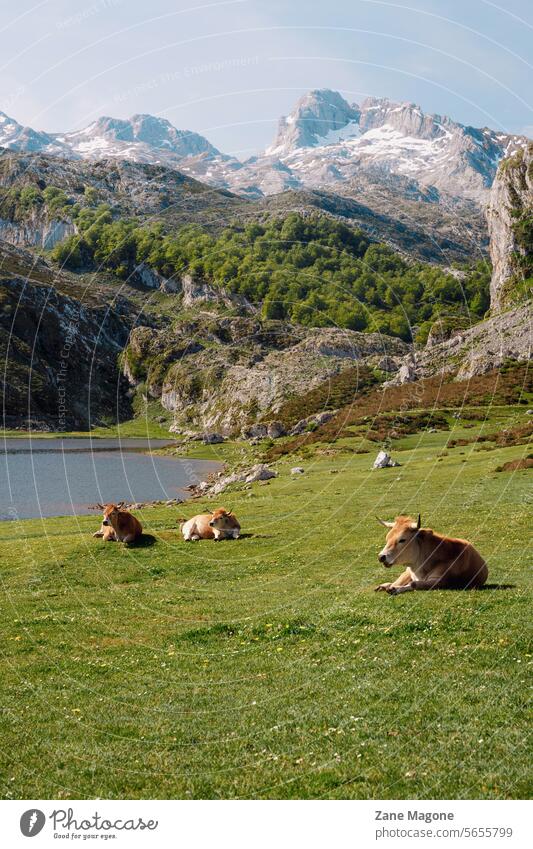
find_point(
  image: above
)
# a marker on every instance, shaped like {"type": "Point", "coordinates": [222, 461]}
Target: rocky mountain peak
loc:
{"type": "Point", "coordinates": [407, 118]}
{"type": "Point", "coordinates": [112, 128]}
{"type": "Point", "coordinates": [325, 143]}
{"type": "Point", "coordinates": [316, 119]}
{"type": "Point", "coordinates": [15, 136]}
{"type": "Point", "coordinates": [156, 133]}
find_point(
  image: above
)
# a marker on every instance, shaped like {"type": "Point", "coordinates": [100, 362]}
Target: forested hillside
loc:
{"type": "Point", "coordinates": [310, 270]}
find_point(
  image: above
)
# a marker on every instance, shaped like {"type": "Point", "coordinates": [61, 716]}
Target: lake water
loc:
{"type": "Point", "coordinates": [61, 477]}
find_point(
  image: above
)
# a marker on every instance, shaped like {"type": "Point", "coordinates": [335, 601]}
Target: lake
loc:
{"type": "Point", "coordinates": [62, 477]}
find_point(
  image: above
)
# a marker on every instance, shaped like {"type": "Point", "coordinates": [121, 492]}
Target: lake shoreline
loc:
{"type": "Point", "coordinates": [70, 477]}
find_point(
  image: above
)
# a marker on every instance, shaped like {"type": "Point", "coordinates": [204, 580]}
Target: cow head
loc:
{"type": "Point", "coordinates": [222, 520]}
{"type": "Point", "coordinates": [401, 546]}
{"type": "Point", "coordinates": [110, 511]}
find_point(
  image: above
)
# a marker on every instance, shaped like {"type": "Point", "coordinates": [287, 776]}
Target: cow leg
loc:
{"type": "Point", "coordinates": [430, 583]}
{"type": "Point", "coordinates": [129, 538]}
{"type": "Point", "coordinates": [218, 535]}
{"type": "Point", "coordinates": [401, 581]}
{"type": "Point", "coordinates": [406, 588]}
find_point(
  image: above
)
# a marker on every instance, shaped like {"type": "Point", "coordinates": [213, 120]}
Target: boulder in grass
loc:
{"type": "Point", "coordinates": [260, 472]}
{"type": "Point", "coordinates": [384, 461]}
{"type": "Point", "coordinates": [297, 470]}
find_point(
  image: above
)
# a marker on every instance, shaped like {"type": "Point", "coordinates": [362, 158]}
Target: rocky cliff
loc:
{"type": "Point", "coordinates": [58, 352]}
{"type": "Point", "coordinates": [510, 220]}
{"type": "Point", "coordinates": [221, 373]}
{"type": "Point", "coordinates": [36, 231]}
{"type": "Point", "coordinates": [507, 334]}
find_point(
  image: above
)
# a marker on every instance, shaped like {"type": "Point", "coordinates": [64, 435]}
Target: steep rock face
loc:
{"type": "Point", "coordinates": [58, 354]}
{"type": "Point", "coordinates": [509, 217]}
{"type": "Point", "coordinates": [223, 373]}
{"type": "Point", "coordinates": [150, 278]}
{"type": "Point", "coordinates": [407, 118]}
{"type": "Point", "coordinates": [37, 232]}
{"type": "Point", "coordinates": [197, 292]}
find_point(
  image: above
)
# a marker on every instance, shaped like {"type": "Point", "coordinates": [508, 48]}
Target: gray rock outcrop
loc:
{"type": "Point", "coordinates": [36, 232]}
{"type": "Point", "coordinates": [312, 422]}
{"type": "Point", "coordinates": [511, 202]}
{"type": "Point", "coordinates": [221, 374]}
{"type": "Point", "coordinates": [478, 349]}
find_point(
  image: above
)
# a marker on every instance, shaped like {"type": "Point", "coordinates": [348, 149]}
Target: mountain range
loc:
{"type": "Point", "coordinates": [108, 204]}
{"type": "Point", "coordinates": [325, 143]}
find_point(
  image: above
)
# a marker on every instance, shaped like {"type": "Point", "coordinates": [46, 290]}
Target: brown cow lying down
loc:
{"type": "Point", "coordinates": [433, 561]}
{"type": "Point", "coordinates": [216, 525]}
{"type": "Point", "coordinates": [118, 524]}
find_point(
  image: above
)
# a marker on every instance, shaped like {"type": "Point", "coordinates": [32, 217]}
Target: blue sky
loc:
{"type": "Point", "coordinates": [230, 69]}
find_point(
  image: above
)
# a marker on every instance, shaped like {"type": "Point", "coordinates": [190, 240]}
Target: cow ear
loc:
{"type": "Point", "coordinates": [385, 524]}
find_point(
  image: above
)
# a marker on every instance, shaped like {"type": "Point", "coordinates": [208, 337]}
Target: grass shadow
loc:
{"type": "Point", "coordinates": [498, 587]}
{"type": "Point", "coordinates": [175, 534]}
{"type": "Point", "coordinates": [257, 536]}
{"type": "Point", "coordinates": [145, 541]}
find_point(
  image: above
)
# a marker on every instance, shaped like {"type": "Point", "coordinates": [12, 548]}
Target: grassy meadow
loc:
{"type": "Point", "coordinates": [268, 667]}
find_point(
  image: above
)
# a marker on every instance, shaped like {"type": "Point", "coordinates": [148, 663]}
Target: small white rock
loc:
{"type": "Point", "coordinates": [382, 460]}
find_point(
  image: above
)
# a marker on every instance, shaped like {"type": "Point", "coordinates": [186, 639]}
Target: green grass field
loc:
{"type": "Point", "coordinates": [268, 667]}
